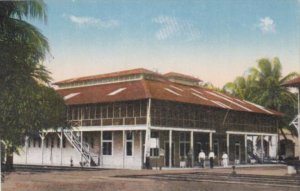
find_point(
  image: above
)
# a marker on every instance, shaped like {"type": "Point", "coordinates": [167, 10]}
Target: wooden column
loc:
{"type": "Point", "coordinates": [170, 148]}
{"type": "Point", "coordinates": [148, 132]}
{"type": "Point", "coordinates": [124, 149]}
{"type": "Point", "coordinates": [192, 147]}
{"type": "Point", "coordinates": [227, 144]}
{"type": "Point", "coordinates": [210, 141]}
{"type": "Point", "coordinates": [81, 143]}
{"type": "Point", "coordinates": [61, 146]}
{"type": "Point", "coordinates": [141, 149]}
{"type": "Point", "coordinates": [246, 149]}
{"type": "Point", "coordinates": [101, 149]}
{"type": "Point", "coordinates": [42, 136]}
{"type": "Point", "coordinates": [262, 148]}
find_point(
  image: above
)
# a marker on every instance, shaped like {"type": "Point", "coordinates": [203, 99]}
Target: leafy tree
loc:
{"type": "Point", "coordinates": [263, 85]}
{"type": "Point", "coordinates": [27, 102]}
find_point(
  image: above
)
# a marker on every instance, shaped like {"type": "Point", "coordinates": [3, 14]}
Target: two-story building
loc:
{"type": "Point", "coordinates": [121, 118]}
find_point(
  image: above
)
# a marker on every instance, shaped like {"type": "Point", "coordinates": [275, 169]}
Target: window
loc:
{"type": "Point", "coordinates": [110, 111]}
{"type": "Point", "coordinates": [98, 111]}
{"type": "Point", "coordinates": [107, 143]}
{"type": "Point", "coordinates": [104, 111]}
{"type": "Point", "coordinates": [75, 111]}
{"type": "Point", "coordinates": [237, 151]}
{"type": "Point", "coordinates": [154, 152]}
{"type": "Point", "coordinates": [184, 143]}
{"type": "Point", "coordinates": [129, 110]}
{"type": "Point", "coordinates": [117, 110]}
{"type": "Point", "coordinates": [92, 111]}
{"type": "Point", "coordinates": [129, 143]}
{"type": "Point", "coordinates": [86, 112]}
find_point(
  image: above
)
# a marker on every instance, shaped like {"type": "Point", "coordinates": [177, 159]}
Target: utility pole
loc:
{"type": "Point", "coordinates": [295, 83]}
{"type": "Point", "coordinates": [0, 165]}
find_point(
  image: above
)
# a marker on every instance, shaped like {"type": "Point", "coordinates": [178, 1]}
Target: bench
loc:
{"type": "Point", "coordinates": [293, 167]}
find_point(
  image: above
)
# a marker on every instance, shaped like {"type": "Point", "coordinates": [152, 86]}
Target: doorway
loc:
{"type": "Point", "coordinates": [237, 153]}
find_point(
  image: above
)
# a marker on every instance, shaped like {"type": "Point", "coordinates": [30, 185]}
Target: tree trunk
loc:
{"type": "Point", "coordinates": [283, 134]}
{"type": "Point", "coordinates": [9, 159]}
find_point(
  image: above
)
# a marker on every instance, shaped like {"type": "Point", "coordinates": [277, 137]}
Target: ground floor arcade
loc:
{"type": "Point", "coordinates": [131, 147]}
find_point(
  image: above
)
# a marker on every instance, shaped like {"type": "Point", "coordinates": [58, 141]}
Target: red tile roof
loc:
{"type": "Point", "coordinates": [160, 90]}
{"type": "Point", "coordinates": [293, 83]}
{"type": "Point", "coordinates": [182, 76]}
{"type": "Point", "coordinates": [110, 75]}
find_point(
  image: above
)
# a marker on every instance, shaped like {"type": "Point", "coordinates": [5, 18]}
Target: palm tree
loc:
{"type": "Point", "coordinates": [267, 83]}
{"type": "Point", "coordinates": [262, 85]}
{"type": "Point", "coordinates": [23, 46]}
{"type": "Point", "coordinates": [27, 103]}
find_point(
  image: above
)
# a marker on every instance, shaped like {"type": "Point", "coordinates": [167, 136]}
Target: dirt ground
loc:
{"type": "Point", "coordinates": [105, 180]}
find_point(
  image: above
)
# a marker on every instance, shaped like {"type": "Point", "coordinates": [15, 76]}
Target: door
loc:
{"type": "Point", "coordinates": [167, 149]}
{"type": "Point", "coordinates": [237, 153]}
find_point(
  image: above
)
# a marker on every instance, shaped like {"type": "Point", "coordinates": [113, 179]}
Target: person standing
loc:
{"type": "Point", "coordinates": [201, 158]}
{"type": "Point", "coordinates": [211, 157]}
{"type": "Point", "coordinates": [225, 159]}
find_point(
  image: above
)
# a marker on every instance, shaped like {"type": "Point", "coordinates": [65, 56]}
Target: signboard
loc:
{"type": "Point", "coordinates": [161, 152]}
{"type": "Point", "coordinates": [154, 143]}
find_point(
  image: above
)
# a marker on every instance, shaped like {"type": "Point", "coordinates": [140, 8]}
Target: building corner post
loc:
{"type": "Point", "coordinates": [210, 141]}
{"type": "Point", "coordinates": [246, 149]}
{"type": "Point", "coordinates": [227, 145]}
{"type": "Point", "coordinates": [148, 131]}
{"type": "Point", "coordinates": [123, 138]}
{"type": "Point", "coordinates": [192, 148]}
{"type": "Point", "coordinates": [262, 148]}
{"type": "Point", "coordinates": [170, 148]}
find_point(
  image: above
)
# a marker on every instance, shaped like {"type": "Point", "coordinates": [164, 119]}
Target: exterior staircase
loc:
{"type": "Point", "coordinates": [90, 158]}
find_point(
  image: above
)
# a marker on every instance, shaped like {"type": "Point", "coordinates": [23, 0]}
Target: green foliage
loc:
{"type": "Point", "coordinates": [27, 103]}
{"type": "Point", "coordinates": [263, 85]}
{"type": "Point", "coordinates": [210, 86]}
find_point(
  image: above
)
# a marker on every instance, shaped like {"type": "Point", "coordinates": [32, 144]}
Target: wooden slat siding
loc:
{"type": "Point", "coordinates": [120, 113]}
{"type": "Point", "coordinates": [172, 114]}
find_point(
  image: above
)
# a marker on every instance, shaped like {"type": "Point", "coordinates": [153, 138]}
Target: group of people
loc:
{"type": "Point", "coordinates": [211, 157]}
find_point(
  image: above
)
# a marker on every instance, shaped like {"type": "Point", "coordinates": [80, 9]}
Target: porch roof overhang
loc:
{"type": "Point", "coordinates": [250, 133]}
{"type": "Point", "coordinates": [182, 129]}
{"type": "Point", "coordinates": [131, 128]}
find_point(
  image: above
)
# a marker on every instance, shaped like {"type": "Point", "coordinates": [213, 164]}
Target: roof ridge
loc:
{"type": "Point", "coordinates": [181, 75]}
{"type": "Point", "coordinates": [109, 75]}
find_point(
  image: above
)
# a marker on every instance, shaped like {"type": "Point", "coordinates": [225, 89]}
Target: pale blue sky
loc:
{"type": "Point", "coordinates": [215, 40]}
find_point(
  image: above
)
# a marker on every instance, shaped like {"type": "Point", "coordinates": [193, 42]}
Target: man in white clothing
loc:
{"type": "Point", "coordinates": [225, 159]}
{"type": "Point", "coordinates": [201, 158]}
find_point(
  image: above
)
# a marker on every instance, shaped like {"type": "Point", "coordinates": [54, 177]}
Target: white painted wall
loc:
{"type": "Point", "coordinates": [52, 156]}
{"type": "Point", "coordinates": [273, 146]}
{"type": "Point", "coordinates": [117, 159]}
